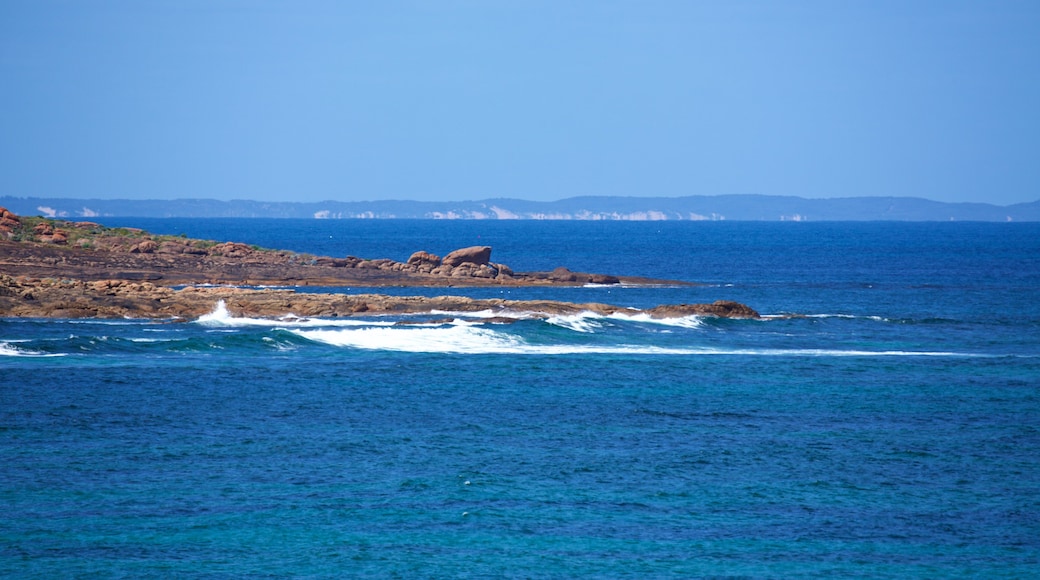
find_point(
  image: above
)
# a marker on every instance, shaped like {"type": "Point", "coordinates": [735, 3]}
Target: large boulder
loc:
{"type": "Point", "coordinates": [171, 247]}
{"type": "Point", "coordinates": [424, 261]}
{"type": "Point", "coordinates": [145, 247]}
{"type": "Point", "coordinates": [478, 255]}
{"type": "Point", "coordinates": [8, 222]}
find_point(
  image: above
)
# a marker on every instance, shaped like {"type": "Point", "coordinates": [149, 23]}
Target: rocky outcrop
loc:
{"type": "Point", "coordinates": [476, 255]}
{"type": "Point", "coordinates": [424, 262]}
{"type": "Point", "coordinates": [719, 308]}
{"type": "Point", "coordinates": [117, 298]}
{"type": "Point", "coordinates": [9, 222]}
{"type": "Point", "coordinates": [46, 233]}
{"type": "Point", "coordinates": [39, 247]}
{"type": "Point", "coordinates": [145, 247]}
{"type": "Point", "coordinates": [62, 269]}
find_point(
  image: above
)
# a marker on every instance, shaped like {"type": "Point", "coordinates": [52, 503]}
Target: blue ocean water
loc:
{"type": "Point", "coordinates": [892, 429]}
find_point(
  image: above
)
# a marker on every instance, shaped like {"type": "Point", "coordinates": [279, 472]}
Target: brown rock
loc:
{"type": "Point", "coordinates": [478, 255]}
{"type": "Point", "coordinates": [231, 250]}
{"type": "Point", "coordinates": [8, 220]}
{"type": "Point", "coordinates": [145, 247]}
{"type": "Point", "coordinates": [603, 279]}
{"type": "Point", "coordinates": [562, 274]}
{"type": "Point", "coordinates": [503, 270]}
{"type": "Point", "coordinates": [720, 308]}
{"type": "Point", "coordinates": [464, 270]}
{"type": "Point", "coordinates": [422, 258]}
{"type": "Point", "coordinates": [484, 271]}
{"type": "Point", "coordinates": [332, 262]}
{"type": "Point", "coordinates": [169, 247]}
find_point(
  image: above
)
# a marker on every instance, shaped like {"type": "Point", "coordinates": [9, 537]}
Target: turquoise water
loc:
{"type": "Point", "coordinates": [891, 431]}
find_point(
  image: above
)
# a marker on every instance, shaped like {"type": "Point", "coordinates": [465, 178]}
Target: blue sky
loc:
{"type": "Point", "coordinates": [462, 100]}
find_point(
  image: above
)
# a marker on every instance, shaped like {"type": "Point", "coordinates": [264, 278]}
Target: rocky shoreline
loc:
{"type": "Point", "coordinates": [45, 248]}
{"type": "Point", "coordinates": [67, 298]}
{"type": "Point", "coordinates": [61, 269]}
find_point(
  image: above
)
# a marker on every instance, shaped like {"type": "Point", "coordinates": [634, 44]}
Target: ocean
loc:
{"type": "Point", "coordinates": [881, 420]}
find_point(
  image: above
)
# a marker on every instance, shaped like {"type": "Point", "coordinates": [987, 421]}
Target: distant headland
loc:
{"type": "Point", "coordinates": [687, 208]}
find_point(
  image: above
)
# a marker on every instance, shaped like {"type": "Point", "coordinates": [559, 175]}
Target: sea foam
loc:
{"type": "Point", "coordinates": [221, 318]}
{"type": "Point", "coordinates": [473, 337]}
{"type": "Point", "coordinates": [462, 339]}
{"type": "Point", "coordinates": [6, 349]}
{"type": "Point", "coordinates": [468, 339]}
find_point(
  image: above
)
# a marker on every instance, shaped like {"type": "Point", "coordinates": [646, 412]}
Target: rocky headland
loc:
{"type": "Point", "coordinates": [56, 268]}
{"type": "Point", "coordinates": [41, 248]}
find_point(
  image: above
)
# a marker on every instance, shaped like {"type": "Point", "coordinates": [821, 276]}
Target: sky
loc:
{"type": "Point", "coordinates": [541, 100]}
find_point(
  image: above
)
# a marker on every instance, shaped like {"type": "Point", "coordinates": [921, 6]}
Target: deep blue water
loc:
{"type": "Point", "coordinates": [891, 431]}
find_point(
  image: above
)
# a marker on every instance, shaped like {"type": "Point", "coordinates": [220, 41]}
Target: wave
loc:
{"type": "Point", "coordinates": [588, 322]}
{"type": "Point", "coordinates": [464, 339]}
{"type": "Point", "coordinates": [692, 321]}
{"type": "Point", "coordinates": [585, 322]}
{"type": "Point", "coordinates": [221, 318]}
{"type": "Point", "coordinates": [471, 335]}
{"type": "Point", "coordinates": [7, 349]}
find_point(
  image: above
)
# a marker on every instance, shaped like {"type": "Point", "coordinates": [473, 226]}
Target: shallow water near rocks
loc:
{"type": "Point", "coordinates": [890, 431]}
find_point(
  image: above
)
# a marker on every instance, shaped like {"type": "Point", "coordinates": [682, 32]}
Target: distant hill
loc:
{"type": "Point", "coordinates": [719, 207]}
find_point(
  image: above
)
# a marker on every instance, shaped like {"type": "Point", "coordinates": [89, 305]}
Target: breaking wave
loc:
{"type": "Point", "coordinates": [221, 318]}
{"type": "Point", "coordinates": [468, 339]}
{"type": "Point", "coordinates": [472, 335]}
{"type": "Point", "coordinates": [7, 349]}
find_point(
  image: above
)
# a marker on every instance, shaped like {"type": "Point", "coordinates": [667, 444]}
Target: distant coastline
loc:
{"type": "Point", "coordinates": [688, 208]}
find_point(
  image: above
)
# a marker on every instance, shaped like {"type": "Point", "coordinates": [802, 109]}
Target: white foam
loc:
{"type": "Point", "coordinates": [587, 321]}
{"type": "Point", "coordinates": [463, 339]}
{"type": "Point", "coordinates": [692, 321]}
{"type": "Point", "coordinates": [848, 316]}
{"type": "Point", "coordinates": [468, 339]}
{"type": "Point", "coordinates": [7, 350]}
{"type": "Point", "coordinates": [221, 318]}
{"type": "Point", "coordinates": [280, 346]}
{"type": "Point", "coordinates": [580, 322]}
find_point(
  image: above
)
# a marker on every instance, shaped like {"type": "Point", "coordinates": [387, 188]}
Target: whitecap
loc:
{"type": "Point", "coordinates": [581, 322]}
{"type": "Point", "coordinates": [468, 339]}
{"type": "Point", "coordinates": [462, 339]}
{"type": "Point", "coordinates": [279, 345]}
{"type": "Point", "coordinates": [221, 318]}
{"type": "Point", "coordinates": [849, 317]}
{"type": "Point", "coordinates": [6, 349]}
{"type": "Point", "coordinates": [589, 321]}
{"type": "Point", "coordinates": [692, 321]}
